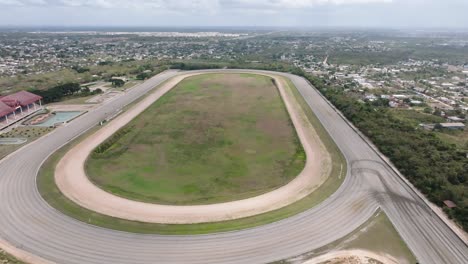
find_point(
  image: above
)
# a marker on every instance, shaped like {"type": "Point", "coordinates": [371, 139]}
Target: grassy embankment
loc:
{"type": "Point", "coordinates": [51, 194]}
{"type": "Point", "coordinates": [6, 258]}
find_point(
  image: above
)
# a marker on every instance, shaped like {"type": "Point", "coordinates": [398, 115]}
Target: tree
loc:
{"type": "Point", "coordinates": [117, 82]}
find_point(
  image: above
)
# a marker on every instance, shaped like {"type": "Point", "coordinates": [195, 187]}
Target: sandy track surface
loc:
{"type": "Point", "coordinates": [71, 178]}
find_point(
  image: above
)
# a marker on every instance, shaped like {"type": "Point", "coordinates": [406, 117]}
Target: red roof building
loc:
{"type": "Point", "coordinates": [5, 109]}
{"type": "Point", "coordinates": [20, 101]}
{"type": "Point", "coordinates": [21, 98]}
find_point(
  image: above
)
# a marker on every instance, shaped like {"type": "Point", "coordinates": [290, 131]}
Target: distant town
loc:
{"type": "Point", "coordinates": [400, 68]}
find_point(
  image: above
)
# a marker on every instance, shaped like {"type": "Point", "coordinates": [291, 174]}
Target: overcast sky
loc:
{"type": "Point", "coordinates": [302, 13]}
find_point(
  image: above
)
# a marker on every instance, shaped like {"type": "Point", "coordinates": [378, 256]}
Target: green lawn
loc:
{"type": "Point", "coordinates": [56, 199]}
{"type": "Point", "coordinates": [213, 138]}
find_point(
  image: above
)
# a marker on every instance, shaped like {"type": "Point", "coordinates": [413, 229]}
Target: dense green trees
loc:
{"type": "Point", "coordinates": [438, 169]}
{"type": "Point", "coordinates": [79, 69]}
{"type": "Point", "coordinates": [194, 66]}
{"type": "Point", "coordinates": [57, 93]}
{"type": "Point", "coordinates": [143, 76]}
{"type": "Point", "coordinates": [117, 82]}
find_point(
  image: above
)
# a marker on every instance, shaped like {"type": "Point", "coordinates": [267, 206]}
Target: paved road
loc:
{"type": "Point", "coordinates": [30, 223]}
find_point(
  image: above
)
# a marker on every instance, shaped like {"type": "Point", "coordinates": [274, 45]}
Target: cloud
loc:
{"type": "Point", "coordinates": [11, 2]}
{"type": "Point", "coordinates": [22, 2]}
{"type": "Point", "coordinates": [301, 13]}
{"type": "Point", "coordinates": [297, 3]}
{"type": "Point", "coordinates": [211, 5]}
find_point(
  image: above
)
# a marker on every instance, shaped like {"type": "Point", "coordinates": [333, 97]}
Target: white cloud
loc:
{"type": "Point", "coordinates": [301, 3]}
{"type": "Point", "coordinates": [209, 5]}
{"type": "Point", "coordinates": [11, 2]}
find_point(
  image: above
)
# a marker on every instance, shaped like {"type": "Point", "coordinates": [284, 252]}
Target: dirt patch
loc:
{"type": "Point", "coordinates": [352, 257]}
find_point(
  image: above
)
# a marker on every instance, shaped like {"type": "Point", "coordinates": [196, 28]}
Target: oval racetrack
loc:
{"type": "Point", "coordinates": [72, 181]}
{"type": "Point", "coordinates": [30, 224]}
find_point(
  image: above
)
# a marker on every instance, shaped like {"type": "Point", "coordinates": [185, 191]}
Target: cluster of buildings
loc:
{"type": "Point", "coordinates": [52, 51]}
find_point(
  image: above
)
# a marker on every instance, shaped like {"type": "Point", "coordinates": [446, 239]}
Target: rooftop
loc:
{"type": "Point", "coordinates": [22, 98]}
{"type": "Point", "coordinates": [452, 124]}
{"type": "Point", "coordinates": [5, 109]}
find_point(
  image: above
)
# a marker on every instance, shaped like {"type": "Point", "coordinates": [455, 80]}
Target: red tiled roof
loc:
{"type": "Point", "coordinates": [24, 98]}
{"type": "Point", "coordinates": [5, 109]}
{"type": "Point", "coordinates": [10, 102]}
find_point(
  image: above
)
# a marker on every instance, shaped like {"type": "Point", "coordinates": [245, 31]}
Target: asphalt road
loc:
{"type": "Point", "coordinates": [29, 223]}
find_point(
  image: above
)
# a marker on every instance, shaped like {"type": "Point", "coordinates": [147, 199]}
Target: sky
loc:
{"type": "Point", "coordinates": [245, 13]}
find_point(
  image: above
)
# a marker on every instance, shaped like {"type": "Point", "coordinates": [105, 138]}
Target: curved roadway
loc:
{"type": "Point", "coordinates": [29, 223]}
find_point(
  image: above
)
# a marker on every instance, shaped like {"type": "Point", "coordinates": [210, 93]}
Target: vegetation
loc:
{"type": "Point", "coordinates": [240, 64]}
{"type": "Point", "coordinates": [435, 167]}
{"type": "Point", "coordinates": [213, 138]}
{"type": "Point", "coordinates": [143, 76]}
{"type": "Point", "coordinates": [59, 92]}
{"type": "Point", "coordinates": [54, 197]}
{"type": "Point", "coordinates": [117, 82]}
{"type": "Point", "coordinates": [46, 81]}
{"type": "Point", "coordinates": [6, 258]}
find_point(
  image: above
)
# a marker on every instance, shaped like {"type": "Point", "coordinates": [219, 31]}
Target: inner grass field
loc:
{"type": "Point", "coordinates": [212, 138]}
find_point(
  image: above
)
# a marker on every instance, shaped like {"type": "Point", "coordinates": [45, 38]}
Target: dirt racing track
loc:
{"type": "Point", "coordinates": [73, 182]}
{"type": "Point", "coordinates": [29, 227]}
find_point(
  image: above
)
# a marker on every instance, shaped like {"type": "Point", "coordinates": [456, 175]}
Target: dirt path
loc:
{"type": "Point", "coordinates": [71, 178]}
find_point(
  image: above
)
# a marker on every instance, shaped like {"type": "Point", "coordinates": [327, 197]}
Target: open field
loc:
{"type": "Point", "coordinates": [213, 138]}
{"type": "Point", "coordinates": [50, 192]}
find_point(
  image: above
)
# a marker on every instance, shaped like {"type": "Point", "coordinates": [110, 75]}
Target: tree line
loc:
{"type": "Point", "coordinates": [436, 168]}
{"type": "Point", "coordinates": [59, 92]}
